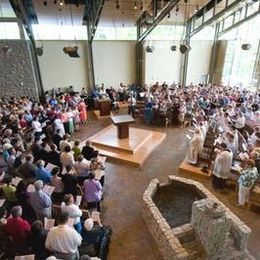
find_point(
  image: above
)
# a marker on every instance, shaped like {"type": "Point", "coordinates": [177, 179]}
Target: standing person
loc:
{"type": "Point", "coordinates": [88, 151]}
{"type": "Point", "coordinates": [74, 211]}
{"type": "Point", "coordinates": [18, 229]}
{"type": "Point", "coordinates": [82, 111]}
{"type": "Point", "coordinates": [246, 182]}
{"type": "Point", "coordinates": [58, 125]}
{"type": "Point", "coordinates": [42, 173]}
{"type": "Point", "coordinates": [67, 158]}
{"type": "Point", "coordinates": [37, 126]}
{"type": "Point", "coordinates": [41, 202]}
{"type": "Point", "coordinates": [221, 170]}
{"type": "Point", "coordinates": [63, 240]}
{"type": "Point", "coordinates": [92, 192]}
{"type": "Point", "coordinates": [196, 146]}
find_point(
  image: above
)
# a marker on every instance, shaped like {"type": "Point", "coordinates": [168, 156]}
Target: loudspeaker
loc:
{"type": "Point", "coordinates": [149, 49]}
{"type": "Point", "coordinates": [39, 51]}
{"type": "Point", "coordinates": [71, 51]}
{"type": "Point", "coordinates": [173, 48]}
{"type": "Point", "coordinates": [246, 46]}
{"type": "Point", "coordinates": [184, 47]}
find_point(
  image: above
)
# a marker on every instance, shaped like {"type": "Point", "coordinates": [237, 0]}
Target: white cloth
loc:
{"type": "Point", "coordinates": [63, 239]}
{"type": "Point", "coordinates": [196, 146]}
{"type": "Point", "coordinates": [67, 159]}
{"type": "Point", "coordinates": [223, 164]}
{"type": "Point", "coordinates": [82, 167]}
{"type": "Point", "coordinates": [243, 194]}
{"type": "Point", "coordinates": [73, 211]}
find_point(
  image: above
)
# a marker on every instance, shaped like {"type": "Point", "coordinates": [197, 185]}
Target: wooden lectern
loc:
{"type": "Point", "coordinates": [122, 123]}
{"type": "Point", "coordinates": [104, 107]}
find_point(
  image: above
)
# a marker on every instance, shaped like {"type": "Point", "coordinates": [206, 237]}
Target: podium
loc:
{"type": "Point", "coordinates": [104, 107]}
{"type": "Point", "coordinates": [122, 123]}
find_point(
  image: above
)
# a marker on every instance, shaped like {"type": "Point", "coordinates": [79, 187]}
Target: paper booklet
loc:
{"type": "Point", "coordinates": [2, 176]}
{"type": "Point", "coordinates": [16, 180]}
{"type": "Point", "coordinates": [95, 215]}
{"type": "Point", "coordinates": [78, 200]}
{"type": "Point", "coordinates": [50, 166]}
{"type": "Point", "coordinates": [49, 223]}
{"type": "Point", "coordinates": [71, 222]}
{"type": "Point", "coordinates": [48, 189]}
{"type": "Point", "coordinates": [2, 201]}
{"type": "Point", "coordinates": [31, 188]}
{"type": "Point", "coordinates": [25, 257]}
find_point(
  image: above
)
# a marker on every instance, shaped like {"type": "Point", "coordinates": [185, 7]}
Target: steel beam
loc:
{"type": "Point", "coordinates": [214, 53]}
{"type": "Point", "coordinates": [92, 13]}
{"type": "Point", "coordinates": [186, 55]}
{"type": "Point", "coordinates": [156, 20]}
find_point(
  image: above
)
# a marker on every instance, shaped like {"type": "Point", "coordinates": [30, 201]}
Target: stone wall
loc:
{"type": "Point", "coordinates": [212, 223]}
{"type": "Point", "coordinates": [165, 239]}
{"type": "Point", "coordinates": [17, 75]}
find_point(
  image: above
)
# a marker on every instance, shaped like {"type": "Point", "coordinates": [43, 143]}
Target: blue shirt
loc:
{"type": "Point", "coordinates": [43, 174]}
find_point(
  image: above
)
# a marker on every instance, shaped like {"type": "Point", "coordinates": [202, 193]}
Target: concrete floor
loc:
{"type": "Point", "coordinates": [124, 187]}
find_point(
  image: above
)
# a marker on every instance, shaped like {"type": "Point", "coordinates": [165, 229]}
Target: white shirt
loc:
{"type": "Point", "coordinates": [37, 126]}
{"type": "Point", "coordinates": [82, 167]}
{"type": "Point", "coordinates": [63, 239]}
{"type": "Point", "coordinates": [67, 159]}
{"type": "Point", "coordinates": [73, 211]}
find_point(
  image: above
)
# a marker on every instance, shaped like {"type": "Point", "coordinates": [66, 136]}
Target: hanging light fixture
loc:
{"type": "Point", "coordinates": [117, 5]}
{"type": "Point", "coordinates": [141, 7]}
{"type": "Point", "coordinates": [135, 7]}
{"type": "Point", "coordinates": [45, 3]}
{"type": "Point", "coordinates": [61, 3]}
{"type": "Point", "coordinates": [55, 2]}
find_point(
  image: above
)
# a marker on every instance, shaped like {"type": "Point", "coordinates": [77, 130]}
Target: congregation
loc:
{"type": "Point", "coordinates": [43, 169]}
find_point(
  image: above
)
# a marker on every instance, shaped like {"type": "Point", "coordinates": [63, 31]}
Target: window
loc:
{"type": "Point", "coordinates": [53, 32]}
{"type": "Point", "coordinates": [167, 32]}
{"type": "Point", "coordinates": [115, 33]}
{"type": "Point", "coordinates": [9, 30]}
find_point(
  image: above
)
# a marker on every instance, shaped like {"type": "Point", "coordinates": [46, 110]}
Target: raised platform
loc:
{"type": "Point", "coordinates": [187, 168]}
{"type": "Point", "coordinates": [97, 114]}
{"type": "Point", "coordinates": [133, 150]}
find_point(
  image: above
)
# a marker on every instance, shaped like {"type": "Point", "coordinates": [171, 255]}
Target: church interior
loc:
{"type": "Point", "coordinates": [129, 129]}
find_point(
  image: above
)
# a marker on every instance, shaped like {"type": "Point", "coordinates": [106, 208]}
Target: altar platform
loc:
{"type": "Point", "coordinates": [133, 150]}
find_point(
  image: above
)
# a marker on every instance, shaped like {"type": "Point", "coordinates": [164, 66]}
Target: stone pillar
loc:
{"type": "Point", "coordinates": [212, 227]}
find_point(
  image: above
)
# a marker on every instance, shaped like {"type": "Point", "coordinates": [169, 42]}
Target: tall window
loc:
{"type": "Point", "coordinates": [9, 30]}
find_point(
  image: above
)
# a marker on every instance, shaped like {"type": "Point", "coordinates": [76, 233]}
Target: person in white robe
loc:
{"type": "Point", "coordinates": [196, 146]}
{"type": "Point", "coordinates": [59, 125]}
{"type": "Point", "coordinates": [221, 170]}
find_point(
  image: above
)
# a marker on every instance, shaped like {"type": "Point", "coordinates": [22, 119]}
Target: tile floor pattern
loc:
{"type": "Point", "coordinates": [124, 187]}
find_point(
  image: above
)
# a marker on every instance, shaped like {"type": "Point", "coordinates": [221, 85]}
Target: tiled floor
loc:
{"type": "Point", "coordinates": [125, 185]}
